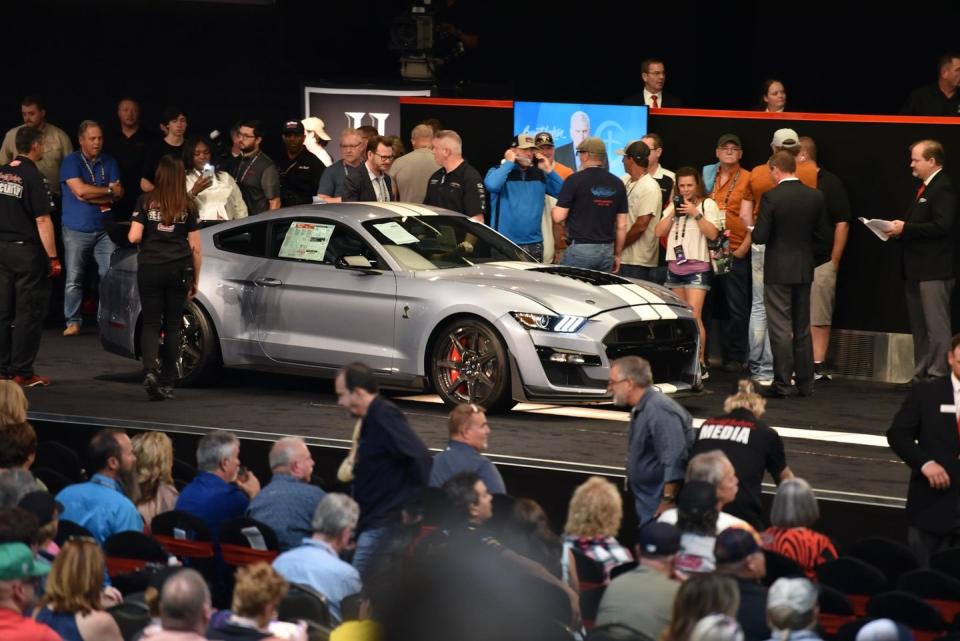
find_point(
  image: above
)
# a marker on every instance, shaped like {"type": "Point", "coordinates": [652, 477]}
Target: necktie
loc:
{"type": "Point", "coordinates": [653, 102]}
{"type": "Point", "coordinates": [920, 191]}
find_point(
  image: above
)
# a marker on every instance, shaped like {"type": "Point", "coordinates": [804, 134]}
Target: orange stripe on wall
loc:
{"type": "Point", "coordinates": [456, 102]}
{"type": "Point", "coordinates": [788, 115]}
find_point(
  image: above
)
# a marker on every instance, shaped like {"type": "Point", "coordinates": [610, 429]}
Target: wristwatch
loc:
{"type": "Point", "coordinates": [668, 498]}
{"type": "Point", "coordinates": [109, 190]}
{"type": "Point", "coordinates": [698, 217]}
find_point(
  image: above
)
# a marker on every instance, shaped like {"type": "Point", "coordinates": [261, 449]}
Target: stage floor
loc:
{"type": "Point", "coordinates": [834, 439]}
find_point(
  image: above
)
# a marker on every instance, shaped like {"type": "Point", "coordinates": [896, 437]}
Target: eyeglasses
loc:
{"type": "Point", "coordinates": [382, 157]}
{"type": "Point", "coordinates": [611, 382]}
{"type": "Point", "coordinates": [729, 148]}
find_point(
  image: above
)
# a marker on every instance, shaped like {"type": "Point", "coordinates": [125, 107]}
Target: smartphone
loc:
{"type": "Point", "coordinates": [677, 201]}
{"type": "Point", "coordinates": [208, 171]}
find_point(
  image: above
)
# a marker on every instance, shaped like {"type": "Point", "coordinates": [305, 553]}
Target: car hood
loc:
{"type": "Point", "coordinates": [564, 290]}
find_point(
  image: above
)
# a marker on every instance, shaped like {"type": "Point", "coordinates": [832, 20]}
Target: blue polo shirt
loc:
{"type": "Point", "coordinates": [77, 214]}
{"type": "Point", "coordinates": [100, 506]}
{"type": "Point", "coordinates": [317, 565]}
{"type": "Point", "coordinates": [287, 505]}
{"type": "Point", "coordinates": [213, 500]}
{"type": "Point", "coordinates": [459, 458]}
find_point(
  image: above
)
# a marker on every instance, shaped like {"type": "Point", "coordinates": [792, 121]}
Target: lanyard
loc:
{"type": "Point", "coordinates": [247, 170]}
{"type": "Point", "coordinates": [733, 184]}
{"type": "Point", "coordinates": [684, 230]}
{"type": "Point", "coordinates": [93, 176]}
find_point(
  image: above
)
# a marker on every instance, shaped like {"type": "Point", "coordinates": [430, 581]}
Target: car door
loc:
{"type": "Point", "coordinates": [313, 314]}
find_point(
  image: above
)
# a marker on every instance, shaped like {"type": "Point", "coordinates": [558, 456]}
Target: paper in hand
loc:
{"type": "Point", "coordinates": [878, 226]}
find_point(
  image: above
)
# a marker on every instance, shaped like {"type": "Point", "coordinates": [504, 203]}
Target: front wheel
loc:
{"type": "Point", "coordinates": [469, 365]}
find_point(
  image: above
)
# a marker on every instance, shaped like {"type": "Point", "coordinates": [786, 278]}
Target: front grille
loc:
{"type": "Point", "coordinates": [669, 346]}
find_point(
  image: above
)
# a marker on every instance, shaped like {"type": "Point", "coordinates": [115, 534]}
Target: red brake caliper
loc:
{"type": "Point", "coordinates": [456, 357]}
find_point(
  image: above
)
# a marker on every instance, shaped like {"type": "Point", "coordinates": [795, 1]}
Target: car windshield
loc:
{"type": "Point", "coordinates": [421, 243]}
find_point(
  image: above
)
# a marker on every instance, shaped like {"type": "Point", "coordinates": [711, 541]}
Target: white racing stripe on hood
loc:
{"type": "Point", "coordinates": [407, 210]}
{"type": "Point", "coordinates": [661, 308]}
{"type": "Point", "coordinates": [637, 303]}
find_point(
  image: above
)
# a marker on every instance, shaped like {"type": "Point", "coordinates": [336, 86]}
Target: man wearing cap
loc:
{"type": "Point", "coordinates": [792, 224]}
{"type": "Point", "coordinates": [544, 142]}
{"type": "Point", "coordinates": [517, 187]}
{"type": "Point", "coordinates": [927, 242]}
{"type": "Point", "coordinates": [761, 181]}
{"type": "Point", "coordinates": [641, 250]}
{"type": "Point", "coordinates": [300, 171]}
{"type": "Point", "coordinates": [738, 555]}
{"type": "Point", "coordinates": [654, 75]}
{"type": "Point", "coordinates": [369, 182]}
{"type": "Point", "coordinates": [19, 572]}
{"type": "Point", "coordinates": [593, 202]}
{"type": "Point", "coordinates": [456, 186]}
{"type": "Point", "coordinates": [730, 184]}
{"type": "Point", "coordinates": [660, 436]}
{"type": "Point", "coordinates": [792, 609]}
{"type": "Point", "coordinates": [317, 139]}
{"type": "Point", "coordinates": [411, 172]}
{"type": "Point", "coordinates": [643, 597]}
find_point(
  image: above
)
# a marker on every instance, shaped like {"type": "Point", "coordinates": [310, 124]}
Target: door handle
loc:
{"type": "Point", "coordinates": [268, 282]}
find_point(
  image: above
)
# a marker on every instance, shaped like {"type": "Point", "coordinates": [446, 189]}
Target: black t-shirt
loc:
{"type": "Point", "coordinates": [459, 190]}
{"type": "Point", "coordinates": [838, 207]}
{"type": "Point", "coordinates": [153, 155]}
{"type": "Point", "coordinates": [163, 243]}
{"type": "Point", "coordinates": [24, 197]}
{"type": "Point", "coordinates": [930, 101]}
{"type": "Point", "coordinates": [594, 197]}
{"type": "Point", "coordinates": [131, 154]}
{"type": "Point", "coordinates": [299, 178]}
{"type": "Point", "coordinates": [752, 447]}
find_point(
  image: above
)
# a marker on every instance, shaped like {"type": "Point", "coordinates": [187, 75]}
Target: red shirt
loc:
{"type": "Point", "coordinates": [16, 627]}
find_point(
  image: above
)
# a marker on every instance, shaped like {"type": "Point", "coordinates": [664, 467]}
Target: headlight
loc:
{"type": "Point", "coordinates": [549, 322]}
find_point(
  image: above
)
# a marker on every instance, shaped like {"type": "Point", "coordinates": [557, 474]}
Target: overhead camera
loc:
{"type": "Point", "coordinates": [422, 49]}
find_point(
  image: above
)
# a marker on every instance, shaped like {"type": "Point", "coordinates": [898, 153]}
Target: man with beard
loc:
{"type": "Point", "coordinates": [660, 437]}
{"type": "Point", "coordinates": [254, 171]}
{"type": "Point", "coordinates": [101, 504]}
{"type": "Point", "coordinates": [300, 171]}
{"type": "Point", "coordinates": [392, 464]}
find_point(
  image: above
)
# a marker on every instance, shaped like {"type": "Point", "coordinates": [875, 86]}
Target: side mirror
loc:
{"type": "Point", "coordinates": [358, 264]}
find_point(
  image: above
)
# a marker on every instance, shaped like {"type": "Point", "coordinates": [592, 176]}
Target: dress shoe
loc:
{"type": "Point", "coordinates": [772, 392]}
{"type": "Point", "coordinates": [72, 330]}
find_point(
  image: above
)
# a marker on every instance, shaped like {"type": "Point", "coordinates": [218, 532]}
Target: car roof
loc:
{"type": "Point", "coordinates": [342, 212]}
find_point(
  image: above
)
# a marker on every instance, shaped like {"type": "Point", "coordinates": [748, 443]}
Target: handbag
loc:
{"type": "Point", "coordinates": [345, 471]}
{"type": "Point", "coordinates": [721, 257]}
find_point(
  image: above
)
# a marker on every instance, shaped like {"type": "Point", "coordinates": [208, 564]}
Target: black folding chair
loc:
{"type": "Point", "coordinates": [892, 558]}
{"type": "Point", "coordinates": [303, 602]}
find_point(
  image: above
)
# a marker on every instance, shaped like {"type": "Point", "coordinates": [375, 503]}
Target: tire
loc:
{"type": "Point", "coordinates": [469, 364]}
{"type": "Point", "coordinates": [199, 357]}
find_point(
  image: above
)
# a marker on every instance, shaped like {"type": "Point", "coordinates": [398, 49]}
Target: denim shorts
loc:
{"type": "Point", "coordinates": [697, 280]}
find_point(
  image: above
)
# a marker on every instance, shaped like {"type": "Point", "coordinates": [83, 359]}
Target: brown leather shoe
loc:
{"type": "Point", "coordinates": [72, 330]}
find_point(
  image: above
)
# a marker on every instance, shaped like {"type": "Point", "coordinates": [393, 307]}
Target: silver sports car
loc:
{"type": "Point", "coordinates": [425, 297]}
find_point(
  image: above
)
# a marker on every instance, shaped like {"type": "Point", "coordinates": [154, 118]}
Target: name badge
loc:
{"type": "Point", "coordinates": [948, 409]}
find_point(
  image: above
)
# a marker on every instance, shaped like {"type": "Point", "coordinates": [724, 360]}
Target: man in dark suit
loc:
{"type": "Point", "coordinates": [928, 244]}
{"type": "Point", "coordinates": [654, 74]}
{"type": "Point", "coordinates": [579, 131]}
{"type": "Point", "coordinates": [369, 182]}
{"type": "Point", "coordinates": [792, 224]}
{"type": "Point", "coordinates": [924, 434]}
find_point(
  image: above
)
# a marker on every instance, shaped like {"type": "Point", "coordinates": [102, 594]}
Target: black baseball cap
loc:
{"type": "Point", "coordinates": [293, 127]}
{"type": "Point", "coordinates": [658, 539]}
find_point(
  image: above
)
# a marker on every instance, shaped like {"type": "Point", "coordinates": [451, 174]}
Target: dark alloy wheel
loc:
{"type": "Point", "coordinates": [469, 365]}
{"type": "Point", "coordinates": [199, 356]}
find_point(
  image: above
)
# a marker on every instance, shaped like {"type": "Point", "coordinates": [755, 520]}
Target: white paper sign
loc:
{"type": "Point", "coordinates": [395, 232]}
{"type": "Point", "coordinates": [306, 241]}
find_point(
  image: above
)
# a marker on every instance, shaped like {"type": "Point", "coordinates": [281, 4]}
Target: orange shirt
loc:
{"type": "Point", "coordinates": [564, 171]}
{"type": "Point", "coordinates": [761, 181]}
{"type": "Point", "coordinates": [728, 196]}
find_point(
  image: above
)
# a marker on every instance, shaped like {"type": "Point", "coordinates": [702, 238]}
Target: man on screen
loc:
{"type": "Point", "coordinates": [579, 131]}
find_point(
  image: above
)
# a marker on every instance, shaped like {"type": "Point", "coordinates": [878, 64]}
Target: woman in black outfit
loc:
{"type": "Point", "coordinates": [165, 226]}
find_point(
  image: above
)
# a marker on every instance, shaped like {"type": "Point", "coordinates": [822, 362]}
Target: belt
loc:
{"type": "Point", "coordinates": [583, 242]}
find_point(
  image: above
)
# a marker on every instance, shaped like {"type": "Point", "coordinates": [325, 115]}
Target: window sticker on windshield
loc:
{"type": "Point", "coordinates": [395, 232]}
{"type": "Point", "coordinates": [306, 241]}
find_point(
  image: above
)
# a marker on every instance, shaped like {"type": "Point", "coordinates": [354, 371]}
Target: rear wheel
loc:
{"type": "Point", "coordinates": [199, 356]}
{"type": "Point", "coordinates": [469, 365]}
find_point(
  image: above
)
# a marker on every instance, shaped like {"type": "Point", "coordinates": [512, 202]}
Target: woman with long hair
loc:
{"type": "Point", "coordinates": [72, 603]}
{"type": "Point", "coordinates": [593, 520]}
{"type": "Point", "coordinates": [216, 192]}
{"type": "Point", "coordinates": [156, 491]}
{"type": "Point", "coordinates": [699, 596]}
{"type": "Point", "coordinates": [773, 96]}
{"type": "Point", "coordinates": [688, 223]}
{"type": "Point", "coordinates": [166, 228]}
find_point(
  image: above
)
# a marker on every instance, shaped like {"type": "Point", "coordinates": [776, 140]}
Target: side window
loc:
{"type": "Point", "coordinates": [249, 240]}
{"type": "Point", "coordinates": [318, 241]}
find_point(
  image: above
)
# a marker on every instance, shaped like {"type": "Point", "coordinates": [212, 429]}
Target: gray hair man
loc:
{"type": "Point", "coordinates": [716, 469]}
{"type": "Point", "coordinates": [411, 172]}
{"type": "Point", "coordinates": [660, 436]}
{"type": "Point", "coordinates": [288, 501]}
{"type": "Point", "coordinates": [316, 562]}
{"type": "Point", "coordinates": [185, 608]}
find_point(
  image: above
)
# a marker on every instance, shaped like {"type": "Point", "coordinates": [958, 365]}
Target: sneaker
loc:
{"type": "Point", "coordinates": [704, 372]}
{"type": "Point", "coordinates": [31, 381]}
{"type": "Point", "coordinates": [167, 392]}
{"type": "Point", "coordinates": [152, 385]}
{"type": "Point", "coordinates": [72, 330]}
{"type": "Point", "coordinates": [820, 374]}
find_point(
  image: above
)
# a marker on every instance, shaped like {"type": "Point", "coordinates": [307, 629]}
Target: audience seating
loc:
{"type": "Point", "coordinates": [940, 590]}
{"type": "Point", "coordinates": [947, 561]}
{"type": "Point", "coordinates": [56, 456]}
{"type": "Point", "coordinates": [127, 554]}
{"type": "Point", "coordinates": [892, 558]}
{"type": "Point", "coordinates": [240, 545]}
{"type": "Point", "coordinates": [69, 529]}
{"type": "Point", "coordinates": [912, 611]}
{"type": "Point", "coordinates": [848, 631]}
{"type": "Point", "coordinates": [183, 535]}
{"type": "Point", "coordinates": [54, 480]}
{"type": "Point", "coordinates": [303, 602]}
{"type": "Point", "coordinates": [132, 617]}
{"type": "Point", "coordinates": [856, 579]}
{"type": "Point", "coordinates": [835, 610]}
{"type": "Point", "coordinates": [779, 566]}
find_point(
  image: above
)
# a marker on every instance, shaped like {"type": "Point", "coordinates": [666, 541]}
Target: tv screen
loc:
{"type": "Point", "coordinates": [616, 125]}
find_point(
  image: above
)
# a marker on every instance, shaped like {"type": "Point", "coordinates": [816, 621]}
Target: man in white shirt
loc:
{"type": "Point", "coordinates": [640, 249]}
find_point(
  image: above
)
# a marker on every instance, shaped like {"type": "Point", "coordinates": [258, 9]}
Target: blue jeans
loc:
{"type": "Point", "coordinates": [597, 256]}
{"type": "Point", "coordinates": [79, 248]}
{"type": "Point", "coordinates": [761, 355]}
{"type": "Point", "coordinates": [535, 250]}
{"type": "Point", "coordinates": [370, 549]}
{"type": "Point", "coordinates": [651, 274]}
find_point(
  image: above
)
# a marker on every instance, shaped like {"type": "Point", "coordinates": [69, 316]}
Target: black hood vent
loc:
{"type": "Point", "coordinates": [589, 276]}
